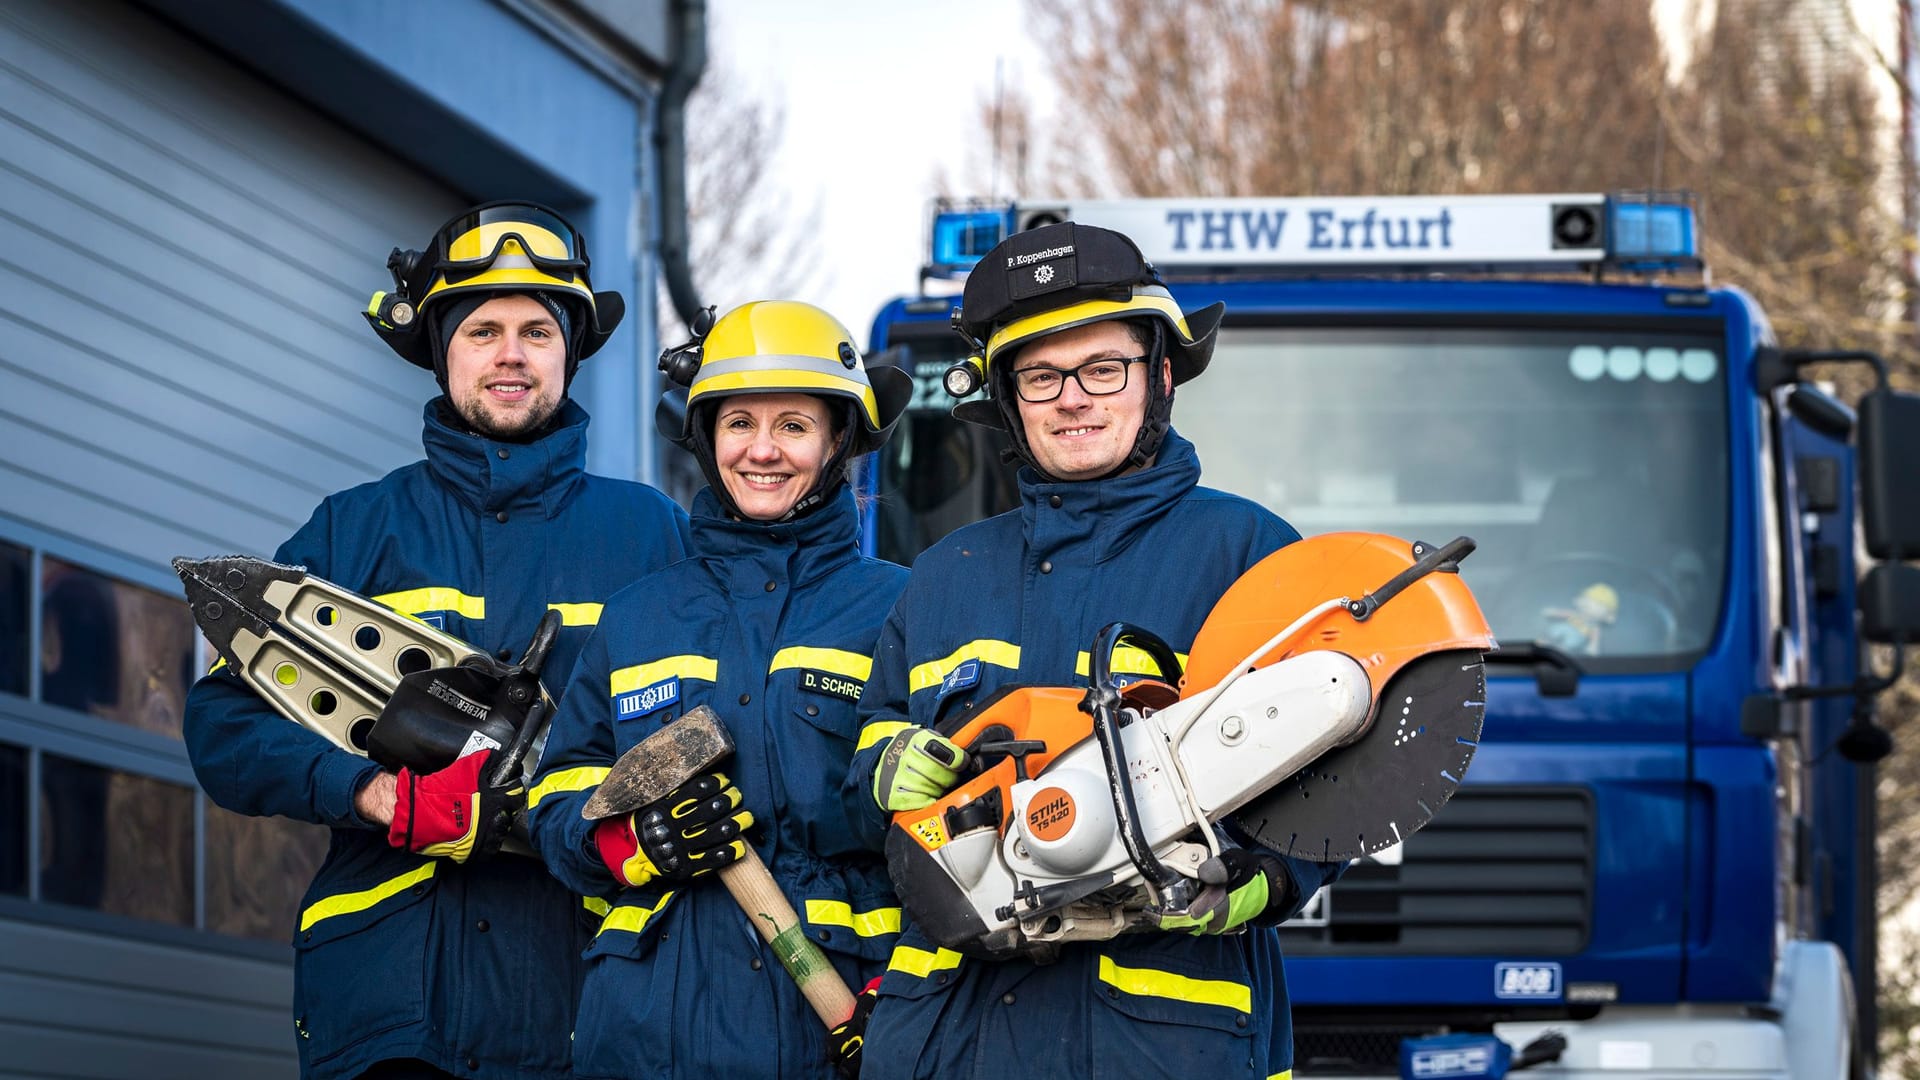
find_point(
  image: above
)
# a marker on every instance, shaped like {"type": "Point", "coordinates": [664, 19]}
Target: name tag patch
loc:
{"type": "Point", "coordinates": [826, 682]}
{"type": "Point", "coordinates": [635, 703]}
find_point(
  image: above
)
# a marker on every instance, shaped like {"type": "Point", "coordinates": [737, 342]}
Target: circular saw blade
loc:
{"type": "Point", "coordinates": [1378, 790]}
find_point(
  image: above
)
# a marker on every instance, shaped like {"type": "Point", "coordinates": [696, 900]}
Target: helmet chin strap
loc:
{"type": "Point", "coordinates": [1146, 442]}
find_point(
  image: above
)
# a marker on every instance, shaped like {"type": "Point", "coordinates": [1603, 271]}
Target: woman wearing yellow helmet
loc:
{"type": "Point", "coordinates": [771, 623]}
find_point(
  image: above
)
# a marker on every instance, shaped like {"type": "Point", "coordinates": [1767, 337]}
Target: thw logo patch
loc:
{"type": "Point", "coordinates": [637, 703]}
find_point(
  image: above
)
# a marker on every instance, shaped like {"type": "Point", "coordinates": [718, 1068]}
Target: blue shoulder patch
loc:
{"type": "Point", "coordinates": [963, 677]}
{"type": "Point", "coordinates": [647, 699]}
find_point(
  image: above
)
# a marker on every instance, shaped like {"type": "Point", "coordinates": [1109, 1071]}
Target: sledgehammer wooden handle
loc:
{"type": "Point", "coordinates": [675, 754]}
{"type": "Point", "coordinates": [753, 887]}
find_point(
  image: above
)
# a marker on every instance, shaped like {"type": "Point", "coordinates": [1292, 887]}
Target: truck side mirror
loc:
{"type": "Point", "coordinates": [1890, 604]}
{"type": "Point", "coordinates": [1889, 441]}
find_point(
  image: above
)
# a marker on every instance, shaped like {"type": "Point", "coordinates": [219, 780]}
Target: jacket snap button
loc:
{"type": "Point", "coordinates": [473, 1062]}
{"type": "Point", "coordinates": [481, 926]}
{"type": "Point", "coordinates": [754, 963]}
{"type": "Point", "coordinates": [1113, 991]}
{"type": "Point", "coordinates": [1052, 500]}
{"type": "Point", "coordinates": [813, 710]}
{"type": "Point", "coordinates": [771, 586]}
{"type": "Point", "coordinates": [1007, 999]}
{"type": "Point", "coordinates": [420, 888]}
{"type": "Point", "coordinates": [501, 517]}
{"type": "Point", "coordinates": [826, 935]}
{"type": "Point", "coordinates": [308, 936]}
{"type": "Point", "coordinates": [505, 654]}
{"type": "Point", "coordinates": [1240, 1021]}
{"type": "Point", "coordinates": [502, 455]}
{"type": "Point", "coordinates": [941, 978]}
{"type": "Point", "coordinates": [1046, 567]}
{"type": "Point", "coordinates": [744, 698]}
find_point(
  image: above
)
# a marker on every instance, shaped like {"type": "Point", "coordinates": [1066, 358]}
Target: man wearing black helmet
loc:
{"type": "Point", "coordinates": [1080, 347]}
{"type": "Point", "coordinates": [418, 953]}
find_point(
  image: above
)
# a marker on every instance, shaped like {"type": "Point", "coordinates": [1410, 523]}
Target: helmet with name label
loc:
{"type": "Point", "coordinates": [1046, 280]}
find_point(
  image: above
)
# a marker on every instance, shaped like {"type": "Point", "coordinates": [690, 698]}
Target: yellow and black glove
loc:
{"type": "Point", "coordinates": [692, 832]}
{"type": "Point", "coordinates": [917, 767]}
{"type": "Point", "coordinates": [849, 1036]}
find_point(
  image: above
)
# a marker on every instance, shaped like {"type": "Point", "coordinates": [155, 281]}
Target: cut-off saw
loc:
{"type": "Point", "coordinates": [1329, 707]}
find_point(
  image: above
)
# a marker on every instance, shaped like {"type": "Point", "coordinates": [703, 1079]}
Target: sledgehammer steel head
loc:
{"type": "Point", "coordinates": [659, 763]}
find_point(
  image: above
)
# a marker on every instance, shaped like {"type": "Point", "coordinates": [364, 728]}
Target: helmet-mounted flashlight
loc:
{"type": "Point", "coordinates": [963, 378]}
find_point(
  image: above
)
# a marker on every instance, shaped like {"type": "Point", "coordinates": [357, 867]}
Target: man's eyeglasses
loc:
{"type": "Point", "coordinates": [1107, 375]}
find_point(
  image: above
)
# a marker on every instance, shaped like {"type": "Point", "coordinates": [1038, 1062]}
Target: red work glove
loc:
{"type": "Point", "coordinates": [849, 1036]}
{"type": "Point", "coordinates": [694, 831]}
{"type": "Point", "coordinates": [454, 813]}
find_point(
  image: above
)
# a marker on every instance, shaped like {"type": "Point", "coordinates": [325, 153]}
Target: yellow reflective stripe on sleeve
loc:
{"type": "Point", "coordinates": [596, 905]}
{"type": "Point", "coordinates": [686, 667]}
{"type": "Point", "coordinates": [930, 674]}
{"type": "Point", "coordinates": [838, 661]}
{"type": "Point", "coordinates": [880, 729]}
{"type": "Point", "coordinates": [921, 962]}
{"type": "Point", "coordinates": [565, 780]}
{"type": "Point", "coordinates": [217, 665]}
{"type": "Point", "coordinates": [633, 918]}
{"type": "Point", "coordinates": [578, 614]}
{"type": "Point", "coordinates": [435, 598]}
{"type": "Point", "coordinates": [1287, 1075]}
{"type": "Point", "coordinates": [348, 903]}
{"type": "Point", "coordinates": [1127, 660]}
{"type": "Point", "coordinates": [1146, 982]}
{"type": "Point", "coordinates": [882, 920]}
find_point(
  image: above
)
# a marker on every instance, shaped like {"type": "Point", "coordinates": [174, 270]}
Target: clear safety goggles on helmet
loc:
{"type": "Point", "coordinates": [477, 242]}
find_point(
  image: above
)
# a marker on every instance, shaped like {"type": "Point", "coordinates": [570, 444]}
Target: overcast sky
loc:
{"type": "Point", "coordinates": [892, 86]}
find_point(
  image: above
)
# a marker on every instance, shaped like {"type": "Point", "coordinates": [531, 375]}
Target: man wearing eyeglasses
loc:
{"type": "Point", "coordinates": [419, 952]}
{"type": "Point", "coordinates": [1080, 347]}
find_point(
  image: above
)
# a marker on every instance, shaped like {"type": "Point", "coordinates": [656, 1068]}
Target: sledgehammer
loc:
{"type": "Point", "coordinates": [675, 754]}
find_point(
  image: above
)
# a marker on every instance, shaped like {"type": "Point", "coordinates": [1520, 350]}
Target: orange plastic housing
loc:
{"type": "Point", "coordinates": [1434, 613]}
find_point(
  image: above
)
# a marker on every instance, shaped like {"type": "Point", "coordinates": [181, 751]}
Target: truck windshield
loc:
{"type": "Point", "coordinates": [936, 473]}
{"type": "Point", "coordinates": [1591, 467]}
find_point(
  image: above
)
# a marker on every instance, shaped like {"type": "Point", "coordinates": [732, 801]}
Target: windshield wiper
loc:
{"type": "Point", "coordinates": [1557, 674]}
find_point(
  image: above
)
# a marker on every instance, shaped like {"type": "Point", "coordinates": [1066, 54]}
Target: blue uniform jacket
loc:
{"type": "Point", "coordinates": [1015, 600]}
{"type": "Point", "coordinates": [472, 968]}
{"type": "Point", "coordinates": [773, 626]}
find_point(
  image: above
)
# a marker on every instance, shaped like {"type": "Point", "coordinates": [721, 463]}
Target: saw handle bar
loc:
{"type": "Point", "coordinates": [1427, 559]}
{"type": "Point", "coordinates": [1102, 703]}
{"type": "Point", "coordinates": [523, 689]}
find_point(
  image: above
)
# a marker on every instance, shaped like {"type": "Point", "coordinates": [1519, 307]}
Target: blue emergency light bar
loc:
{"type": "Point", "coordinates": [1640, 232]}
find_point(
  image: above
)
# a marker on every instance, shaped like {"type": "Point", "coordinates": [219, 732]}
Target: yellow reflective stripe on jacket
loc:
{"type": "Point", "coordinates": [930, 674]}
{"type": "Point", "coordinates": [880, 729]}
{"type": "Point", "coordinates": [686, 666]}
{"type": "Point", "coordinates": [578, 614]}
{"type": "Point", "coordinates": [435, 598]}
{"type": "Point", "coordinates": [838, 661]}
{"type": "Point", "coordinates": [921, 962]}
{"type": "Point", "coordinates": [1287, 1075]}
{"type": "Point", "coordinates": [565, 780]}
{"type": "Point", "coordinates": [1130, 661]}
{"type": "Point", "coordinates": [633, 918]}
{"type": "Point", "coordinates": [348, 903]}
{"type": "Point", "coordinates": [1147, 982]}
{"type": "Point", "coordinates": [878, 921]}
{"type": "Point", "coordinates": [596, 905]}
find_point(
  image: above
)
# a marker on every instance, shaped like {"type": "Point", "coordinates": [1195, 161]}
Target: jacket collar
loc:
{"type": "Point", "coordinates": [749, 554]}
{"type": "Point", "coordinates": [539, 475]}
{"type": "Point", "coordinates": [1108, 514]}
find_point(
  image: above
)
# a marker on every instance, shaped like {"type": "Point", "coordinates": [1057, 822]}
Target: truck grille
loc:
{"type": "Point", "coordinates": [1500, 870]}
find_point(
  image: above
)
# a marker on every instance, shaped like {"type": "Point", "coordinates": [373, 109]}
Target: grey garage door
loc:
{"type": "Point", "coordinates": [183, 254]}
{"type": "Point", "coordinates": [184, 251]}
